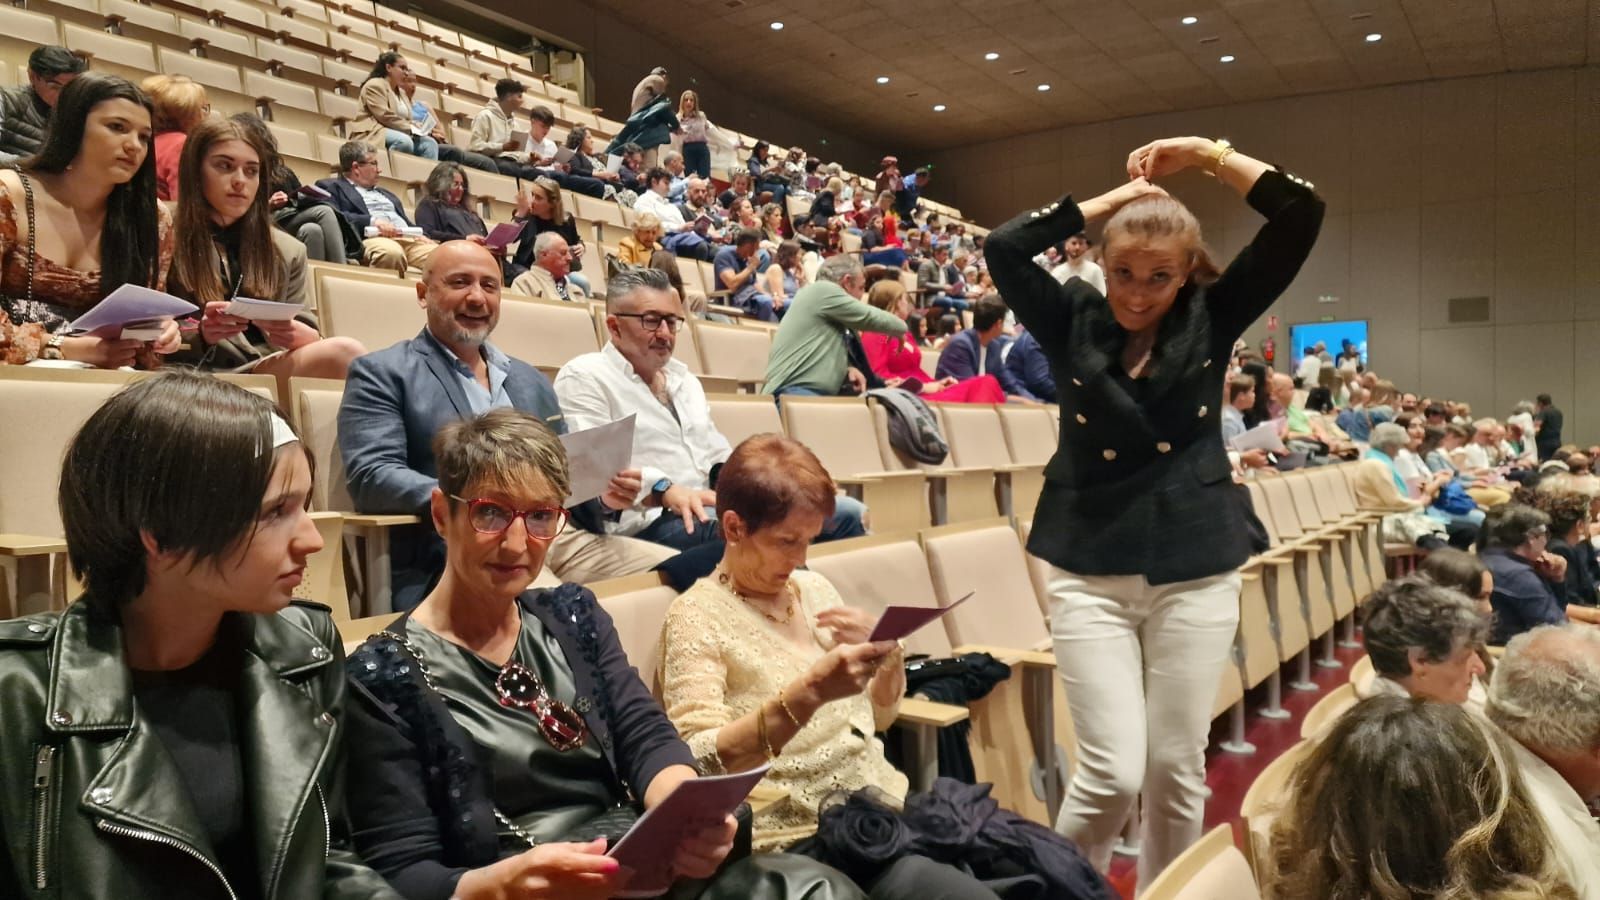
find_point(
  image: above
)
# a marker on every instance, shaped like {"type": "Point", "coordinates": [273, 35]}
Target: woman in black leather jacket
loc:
{"type": "Point", "coordinates": [177, 730]}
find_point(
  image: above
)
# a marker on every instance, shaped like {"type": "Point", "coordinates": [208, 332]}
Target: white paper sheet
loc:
{"type": "Point", "coordinates": [694, 805]}
{"type": "Point", "coordinates": [1262, 437]}
{"type": "Point", "coordinates": [564, 155]}
{"type": "Point", "coordinates": [263, 310]}
{"type": "Point", "coordinates": [130, 304]}
{"type": "Point", "coordinates": [613, 163]}
{"type": "Point", "coordinates": [595, 456]}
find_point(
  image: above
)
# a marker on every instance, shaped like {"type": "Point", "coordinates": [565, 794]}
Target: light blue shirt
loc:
{"type": "Point", "coordinates": [479, 399]}
{"type": "Point", "coordinates": [380, 207]}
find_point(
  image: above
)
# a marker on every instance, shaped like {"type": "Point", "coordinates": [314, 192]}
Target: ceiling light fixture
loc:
{"type": "Point", "coordinates": [883, 79]}
{"type": "Point", "coordinates": [1374, 37]}
{"type": "Point", "coordinates": [1227, 58]}
{"type": "Point", "coordinates": [938, 107]}
{"type": "Point", "coordinates": [777, 26]}
{"type": "Point", "coordinates": [1189, 20]}
{"type": "Point", "coordinates": [991, 56]}
{"type": "Point", "coordinates": [1044, 87]}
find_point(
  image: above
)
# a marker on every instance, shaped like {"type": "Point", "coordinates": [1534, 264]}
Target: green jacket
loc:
{"type": "Point", "coordinates": [808, 351]}
{"type": "Point", "coordinates": [91, 806]}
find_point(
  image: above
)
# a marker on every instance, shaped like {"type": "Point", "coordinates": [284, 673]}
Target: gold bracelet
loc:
{"type": "Point", "coordinates": [784, 704]}
{"type": "Point", "coordinates": [761, 731]}
{"type": "Point", "coordinates": [1223, 150]}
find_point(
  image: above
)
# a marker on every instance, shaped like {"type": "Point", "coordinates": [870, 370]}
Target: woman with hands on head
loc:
{"type": "Point", "coordinates": [496, 730]}
{"type": "Point", "coordinates": [227, 248]}
{"type": "Point", "coordinates": [1139, 518]}
{"type": "Point", "coordinates": [92, 186]}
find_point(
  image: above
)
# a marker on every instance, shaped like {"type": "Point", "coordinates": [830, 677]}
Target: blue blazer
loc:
{"type": "Point", "coordinates": [959, 360]}
{"type": "Point", "coordinates": [395, 400]}
{"type": "Point", "coordinates": [346, 200]}
{"type": "Point", "coordinates": [1027, 363]}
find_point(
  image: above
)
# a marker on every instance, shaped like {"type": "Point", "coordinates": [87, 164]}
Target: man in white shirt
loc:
{"type": "Point", "coordinates": [677, 234]}
{"type": "Point", "coordinates": [1077, 266]}
{"type": "Point", "coordinates": [1310, 368]}
{"type": "Point", "coordinates": [675, 443]}
{"type": "Point", "coordinates": [494, 134]}
{"type": "Point", "coordinates": [1545, 695]}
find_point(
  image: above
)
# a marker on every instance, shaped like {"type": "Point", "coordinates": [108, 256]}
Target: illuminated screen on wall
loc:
{"type": "Point", "coordinates": [1332, 334]}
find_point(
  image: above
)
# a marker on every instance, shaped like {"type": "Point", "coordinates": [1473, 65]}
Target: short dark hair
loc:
{"type": "Point", "coordinates": [1543, 398]}
{"type": "Point", "coordinates": [655, 174]}
{"type": "Point", "coordinates": [768, 476]}
{"type": "Point", "coordinates": [987, 311]}
{"type": "Point", "coordinates": [1319, 400]}
{"type": "Point", "coordinates": [1435, 409]}
{"type": "Point", "coordinates": [1509, 524]}
{"type": "Point", "coordinates": [1416, 612]}
{"type": "Point", "coordinates": [1455, 569]}
{"type": "Point", "coordinates": [746, 236]}
{"type": "Point", "coordinates": [629, 147]}
{"type": "Point", "coordinates": [50, 61]}
{"type": "Point", "coordinates": [505, 87]}
{"type": "Point", "coordinates": [542, 115]}
{"type": "Point", "coordinates": [352, 152]}
{"type": "Point", "coordinates": [195, 483]}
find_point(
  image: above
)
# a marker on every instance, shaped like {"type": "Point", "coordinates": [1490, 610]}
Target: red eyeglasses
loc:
{"type": "Point", "coordinates": [487, 516]}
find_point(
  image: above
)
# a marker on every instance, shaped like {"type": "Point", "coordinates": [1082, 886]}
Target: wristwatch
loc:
{"type": "Point", "coordinates": [52, 347]}
{"type": "Point", "coordinates": [660, 488]}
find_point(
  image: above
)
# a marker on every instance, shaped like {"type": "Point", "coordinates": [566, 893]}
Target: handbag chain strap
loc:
{"type": "Point", "coordinates": [427, 678]}
{"type": "Point", "coordinates": [33, 232]}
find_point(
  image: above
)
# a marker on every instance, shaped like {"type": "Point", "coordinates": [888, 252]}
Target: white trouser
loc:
{"type": "Point", "coordinates": [1141, 664]}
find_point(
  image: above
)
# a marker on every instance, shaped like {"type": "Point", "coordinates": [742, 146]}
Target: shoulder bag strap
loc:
{"type": "Point", "coordinates": [33, 232]}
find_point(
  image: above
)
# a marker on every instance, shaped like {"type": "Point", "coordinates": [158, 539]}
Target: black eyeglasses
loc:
{"type": "Point", "coordinates": [544, 523]}
{"type": "Point", "coordinates": [653, 321]}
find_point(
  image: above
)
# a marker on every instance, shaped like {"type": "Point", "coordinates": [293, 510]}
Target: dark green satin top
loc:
{"type": "Point", "coordinates": [547, 792]}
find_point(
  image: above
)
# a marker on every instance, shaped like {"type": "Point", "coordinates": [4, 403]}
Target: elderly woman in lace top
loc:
{"type": "Point", "coordinates": [764, 663]}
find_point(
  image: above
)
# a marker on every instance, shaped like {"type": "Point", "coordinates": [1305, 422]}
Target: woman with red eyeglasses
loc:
{"type": "Point", "coordinates": [500, 740]}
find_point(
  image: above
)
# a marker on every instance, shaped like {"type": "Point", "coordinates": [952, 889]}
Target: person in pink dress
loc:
{"type": "Point", "coordinates": [897, 359]}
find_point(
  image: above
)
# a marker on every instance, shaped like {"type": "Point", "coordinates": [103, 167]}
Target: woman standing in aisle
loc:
{"type": "Point", "coordinates": [1138, 517]}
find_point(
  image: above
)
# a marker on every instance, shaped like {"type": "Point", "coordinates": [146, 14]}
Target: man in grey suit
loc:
{"type": "Point", "coordinates": [396, 399]}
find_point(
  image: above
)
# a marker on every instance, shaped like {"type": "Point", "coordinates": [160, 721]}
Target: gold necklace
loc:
{"type": "Point", "coordinates": [726, 580]}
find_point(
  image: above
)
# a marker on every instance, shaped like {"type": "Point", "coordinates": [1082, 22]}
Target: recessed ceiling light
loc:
{"type": "Point", "coordinates": [777, 26]}
{"type": "Point", "coordinates": [991, 56]}
{"type": "Point", "coordinates": [938, 107]}
{"type": "Point", "coordinates": [1374, 37]}
{"type": "Point", "coordinates": [883, 79]}
{"type": "Point", "coordinates": [1189, 20]}
{"type": "Point", "coordinates": [1044, 87]}
{"type": "Point", "coordinates": [1227, 58]}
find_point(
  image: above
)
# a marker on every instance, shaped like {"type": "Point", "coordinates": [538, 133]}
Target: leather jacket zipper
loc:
{"type": "Point", "coordinates": [327, 830]}
{"type": "Point", "coordinates": [158, 838]}
{"type": "Point", "coordinates": [43, 777]}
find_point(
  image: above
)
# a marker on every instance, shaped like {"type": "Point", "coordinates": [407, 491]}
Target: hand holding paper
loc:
{"type": "Point", "coordinates": [694, 806]}
{"type": "Point", "coordinates": [1262, 437]}
{"type": "Point", "coordinates": [595, 455]}
{"type": "Point", "coordinates": [898, 622]}
{"type": "Point", "coordinates": [503, 234]}
{"type": "Point", "coordinates": [131, 304]}
{"type": "Point", "coordinates": [263, 310]}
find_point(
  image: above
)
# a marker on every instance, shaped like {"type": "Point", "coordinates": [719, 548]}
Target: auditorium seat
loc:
{"type": "Point", "coordinates": [1312, 564]}
{"type": "Point", "coordinates": [133, 60]}
{"type": "Point", "coordinates": [638, 606]}
{"type": "Point", "coordinates": [544, 332]}
{"type": "Point", "coordinates": [23, 31]}
{"type": "Point", "coordinates": [731, 351]}
{"type": "Point", "coordinates": [741, 416]}
{"type": "Point", "coordinates": [1361, 674]}
{"type": "Point", "coordinates": [134, 20]}
{"type": "Point", "coordinates": [1328, 709]}
{"type": "Point", "coordinates": [1285, 596]}
{"type": "Point", "coordinates": [1211, 869]}
{"type": "Point", "coordinates": [285, 102]}
{"type": "Point", "coordinates": [216, 43]}
{"type": "Point", "coordinates": [955, 493]}
{"type": "Point", "coordinates": [840, 431]}
{"type": "Point", "coordinates": [224, 87]}
{"type": "Point", "coordinates": [977, 440]}
{"type": "Point", "coordinates": [378, 312]}
{"type": "Point", "coordinates": [1262, 803]}
{"type": "Point", "coordinates": [348, 76]}
{"type": "Point", "coordinates": [1339, 538]}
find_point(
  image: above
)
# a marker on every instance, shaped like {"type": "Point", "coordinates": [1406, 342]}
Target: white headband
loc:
{"type": "Point", "coordinates": [281, 432]}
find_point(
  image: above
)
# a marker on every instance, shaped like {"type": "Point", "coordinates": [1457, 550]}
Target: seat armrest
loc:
{"type": "Point", "coordinates": [916, 711]}
{"type": "Point", "coordinates": [23, 545]}
{"type": "Point", "coordinates": [1012, 656]}
{"type": "Point", "coordinates": [360, 520]}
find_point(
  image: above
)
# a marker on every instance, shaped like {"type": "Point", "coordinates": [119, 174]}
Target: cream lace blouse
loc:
{"type": "Point", "coordinates": [720, 660]}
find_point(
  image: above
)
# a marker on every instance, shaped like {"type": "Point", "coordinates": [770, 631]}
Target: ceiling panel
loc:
{"type": "Point", "coordinates": [1103, 59]}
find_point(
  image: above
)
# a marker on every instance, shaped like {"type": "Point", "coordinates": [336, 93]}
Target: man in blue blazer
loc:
{"type": "Point", "coordinates": [396, 399]}
{"type": "Point", "coordinates": [389, 239]}
{"type": "Point", "coordinates": [1027, 363]}
{"type": "Point", "coordinates": [981, 349]}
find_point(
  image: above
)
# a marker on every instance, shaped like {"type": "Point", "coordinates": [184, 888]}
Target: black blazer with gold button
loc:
{"type": "Point", "coordinates": [1140, 484]}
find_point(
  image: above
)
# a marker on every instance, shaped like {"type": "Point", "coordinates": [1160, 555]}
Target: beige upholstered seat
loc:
{"type": "Point", "coordinates": [112, 53]}
{"type": "Point", "coordinates": [638, 606]}
{"type": "Point", "coordinates": [739, 416]}
{"type": "Point", "coordinates": [977, 439]}
{"type": "Point", "coordinates": [377, 313]}
{"type": "Point", "coordinates": [1264, 801]}
{"type": "Point", "coordinates": [732, 351]}
{"type": "Point", "coordinates": [840, 431]}
{"type": "Point", "coordinates": [1328, 709]}
{"type": "Point", "coordinates": [1212, 869]}
{"type": "Point", "coordinates": [544, 332]}
{"type": "Point", "coordinates": [955, 494]}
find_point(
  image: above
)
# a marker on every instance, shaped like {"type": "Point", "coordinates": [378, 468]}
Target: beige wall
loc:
{"type": "Point", "coordinates": [1466, 187]}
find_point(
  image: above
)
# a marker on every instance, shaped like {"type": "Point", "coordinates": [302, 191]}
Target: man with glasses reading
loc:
{"type": "Point", "coordinates": [396, 400]}
{"type": "Point", "coordinates": [389, 239]}
{"type": "Point", "coordinates": [675, 443]}
{"type": "Point", "coordinates": [25, 109]}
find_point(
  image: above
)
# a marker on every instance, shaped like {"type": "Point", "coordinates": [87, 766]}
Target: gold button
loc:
{"type": "Point", "coordinates": [1081, 419]}
{"type": "Point", "coordinates": [1164, 447]}
{"type": "Point", "coordinates": [1109, 455]}
{"type": "Point", "coordinates": [1310, 186]}
{"type": "Point", "coordinates": [1202, 413]}
{"type": "Point", "coordinates": [1034, 214]}
{"type": "Point", "coordinates": [1077, 383]}
{"type": "Point", "coordinates": [1206, 364]}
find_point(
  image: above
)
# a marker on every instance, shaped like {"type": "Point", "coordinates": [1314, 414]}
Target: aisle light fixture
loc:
{"type": "Point", "coordinates": [1227, 58]}
{"type": "Point", "coordinates": [777, 26]}
{"type": "Point", "coordinates": [1374, 37]}
{"type": "Point", "coordinates": [883, 79]}
{"type": "Point", "coordinates": [938, 107]}
{"type": "Point", "coordinates": [991, 56]}
{"type": "Point", "coordinates": [1190, 20]}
